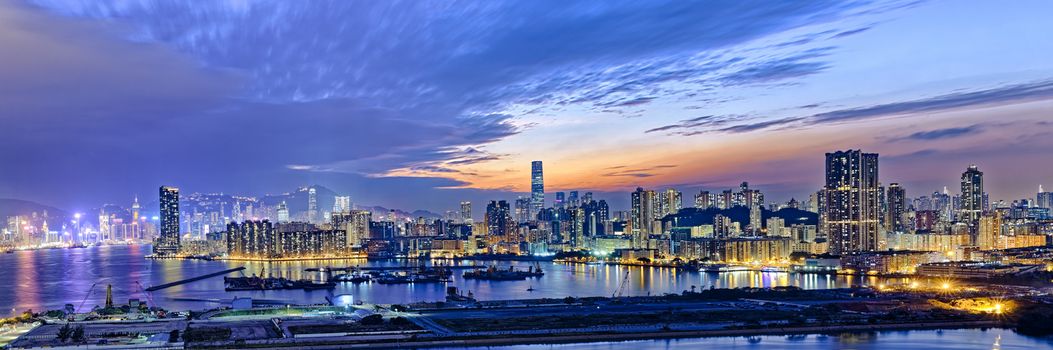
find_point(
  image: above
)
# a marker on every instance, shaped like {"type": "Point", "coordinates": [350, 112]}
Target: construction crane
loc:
{"type": "Point", "coordinates": [86, 297]}
{"type": "Point", "coordinates": [149, 297]}
{"type": "Point", "coordinates": [621, 288]}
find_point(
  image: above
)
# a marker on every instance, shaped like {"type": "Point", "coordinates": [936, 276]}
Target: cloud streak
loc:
{"type": "Point", "coordinates": [1032, 91]}
{"type": "Point", "coordinates": [944, 133]}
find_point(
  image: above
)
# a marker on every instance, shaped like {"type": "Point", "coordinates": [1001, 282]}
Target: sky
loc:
{"type": "Point", "coordinates": [423, 104]}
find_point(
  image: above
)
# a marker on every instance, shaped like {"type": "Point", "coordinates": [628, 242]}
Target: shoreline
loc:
{"type": "Point", "coordinates": [584, 338]}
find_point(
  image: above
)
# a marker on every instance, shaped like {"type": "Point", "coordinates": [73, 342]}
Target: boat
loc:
{"type": "Point", "coordinates": [356, 278]}
{"type": "Point", "coordinates": [272, 283]}
{"type": "Point", "coordinates": [410, 278]}
{"type": "Point", "coordinates": [773, 269]}
{"type": "Point", "coordinates": [715, 268]}
{"type": "Point", "coordinates": [511, 274]}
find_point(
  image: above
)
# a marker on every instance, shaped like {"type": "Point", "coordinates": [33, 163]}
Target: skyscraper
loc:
{"type": "Point", "coordinates": [523, 207]}
{"type": "Point", "coordinates": [537, 189]}
{"type": "Point", "coordinates": [897, 207]}
{"type": "Point", "coordinates": [104, 226]}
{"type": "Point", "coordinates": [851, 205]}
{"type": "Point", "coordinates": [283, 213]}
{"type": "Point", "coordinates": [135, 210]}
{"type": "Point", "coordinates": [671, 201]}
{"type": "Point", "coordinates": [704, 200]}
{"type": "Point", "coordinates": [988, 231]}
{"type": "Point", "coordinates": [642, 218]}
{"type": "Point", "coordinates": [756, 219]}
{"type": "Point", "coordinates": [236, 212]}
{"type": "Point", "coordinates": [572, 199]}
{"type": "Point", "coordinates": [1043, 199]}
{"type": "Point", "coordinates": [972, 206]}
{"type": "Point", "coordinates": [341, 204]}
{"type": "Point", "coordinates": [466, 212]}
{"type": "Point", "coordinates": [312, 205]}
{"type": "Point", "coordinates": [560, 200]}
{"type": "Point", "coordinates": [358, 228]}
{"type": "Point", "coordinates": [168, 233]}
{"type": "Point", "coordinates": [498, 218]}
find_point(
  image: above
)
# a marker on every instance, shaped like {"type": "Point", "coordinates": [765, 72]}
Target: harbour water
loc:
{"type": "Point", "coordinates": [49, 279]}
{"type": "Point", "coordinates": [994, 339]}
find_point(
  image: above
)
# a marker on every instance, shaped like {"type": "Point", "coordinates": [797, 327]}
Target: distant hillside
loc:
{"type": "Point", "coordinates": [695, 217]}
{"type": "Point", "coordinates": [402, 213]}
{"type": "Point", "coordinates": [13, 207]}
{"type": "Point", "coordinates": [297, 202]}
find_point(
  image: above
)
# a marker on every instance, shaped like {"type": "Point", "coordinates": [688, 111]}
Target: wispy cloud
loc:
{"type": "Point", "coordinates": [638, 172]}
{"type": "Point", "coordinates": [1038, 90]}
{"type": "Point", "coordinates": [851, 32]}
{"type": "Point", "coordinates": [706, 122]}
{"type": "Point", "coordinates": [944, 133]}
{"type": "Point", "coordinates": [721, 124]}
{"type": "Point", "coordinates": [758, 126]}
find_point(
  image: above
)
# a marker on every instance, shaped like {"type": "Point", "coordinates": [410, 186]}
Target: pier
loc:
{"type": "Point", "coordinates": [390, 268]}
{"type": "Point", "coordinates": [193, 279]}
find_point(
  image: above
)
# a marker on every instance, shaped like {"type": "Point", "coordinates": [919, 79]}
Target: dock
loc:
{"type": "Point", "coordinates": [193, 279]}
{"type": "Point", "coordinates": [392, 268]}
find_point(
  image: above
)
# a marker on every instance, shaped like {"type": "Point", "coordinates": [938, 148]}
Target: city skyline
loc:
{"type": "Point", "coordinates": [537, 174]}
{"type": "Point", "coordinates": [751, 102]}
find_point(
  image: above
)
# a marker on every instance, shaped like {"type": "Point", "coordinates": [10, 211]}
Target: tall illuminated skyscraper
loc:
{"type": "Point", "coordinates": [704, 200]}
{"type": "Point", "coordinates": [522, 209]}
{"type": "Point", "coordinates": [104, 226]}
{"type": "Point", "coordinates": [671, 202]}
{"type": "Point", "coordinates": [358, 228]}
{"type": "Point", "coordinates": [851, 207]}
{"type": "Point", "coordinates": [168, 232]}
{"type": "Point", "coordinates": [466, 212]}
{"type": "Point", "coordinates": [642, 218]}
{"type": "Point", "coordinates": [972, 196]}
{"type": "Point", "coordinates": [1043, 199]}
{"type": "Point", "coordinates": [537, 189]}
{"type": "Point", "coordinates": [135, 210]}
{"type": "Point", "coordinates": [312, 205]}
{"type": "Point", "coordinates": [897, 207]}
{"type": "Point", "coordinates": [283, 213]}
{"type": "Point", "coordinates": [498, 218]}
{"type": "Point", "coordinates": [341, 204]}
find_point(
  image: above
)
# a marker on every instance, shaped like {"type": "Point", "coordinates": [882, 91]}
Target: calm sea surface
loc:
{"type": "Point", "coordinates": [49, 279]}
{"type": "Point", "coordinates": [994, 339]}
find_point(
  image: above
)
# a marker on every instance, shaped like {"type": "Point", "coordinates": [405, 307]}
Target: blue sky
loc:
{"type": "Point", "coordinates": [424, 104]}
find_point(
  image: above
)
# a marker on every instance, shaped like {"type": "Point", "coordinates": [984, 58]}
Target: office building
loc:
{"type": "Point", "coordinates": [972, 196]}
{"type": "Point", "coordinates": [312, 205]}
{"type": "Point", "coordinates": [168, 232]}
{"type": "Point", "coordinates": [498, 219]}
{"type": "Point", "coordinates": [897, 208]}
{"type": "Point", "coordinates": [643, 215]}
{"type": "Point", "coordinates": [537, 189]}
{"type": "Point", "coordinates": [851, 213]}
{"type": "Point", "coordinates": [341, 204]}
{"type": "Point", "coordinates": [283, 213]}
{"type": "Point", "coordinates": [466, 212]}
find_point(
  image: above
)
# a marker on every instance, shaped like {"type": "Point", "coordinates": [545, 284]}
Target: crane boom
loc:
{"type": "Point", "coordinates": [621, 287]}
{"type": "Point", "coordinates": [86, 296]}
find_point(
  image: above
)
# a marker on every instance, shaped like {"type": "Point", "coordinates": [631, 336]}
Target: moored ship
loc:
{"type": "Point", "coordinates": [511, 274]}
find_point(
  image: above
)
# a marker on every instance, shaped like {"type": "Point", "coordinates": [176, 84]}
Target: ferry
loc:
{"type": "Point", "coordinates": [272, 283]}
{"type": "Point", "coordinates": [511, 274]}
{"type": "Point", "coordinates": [716, 268]}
